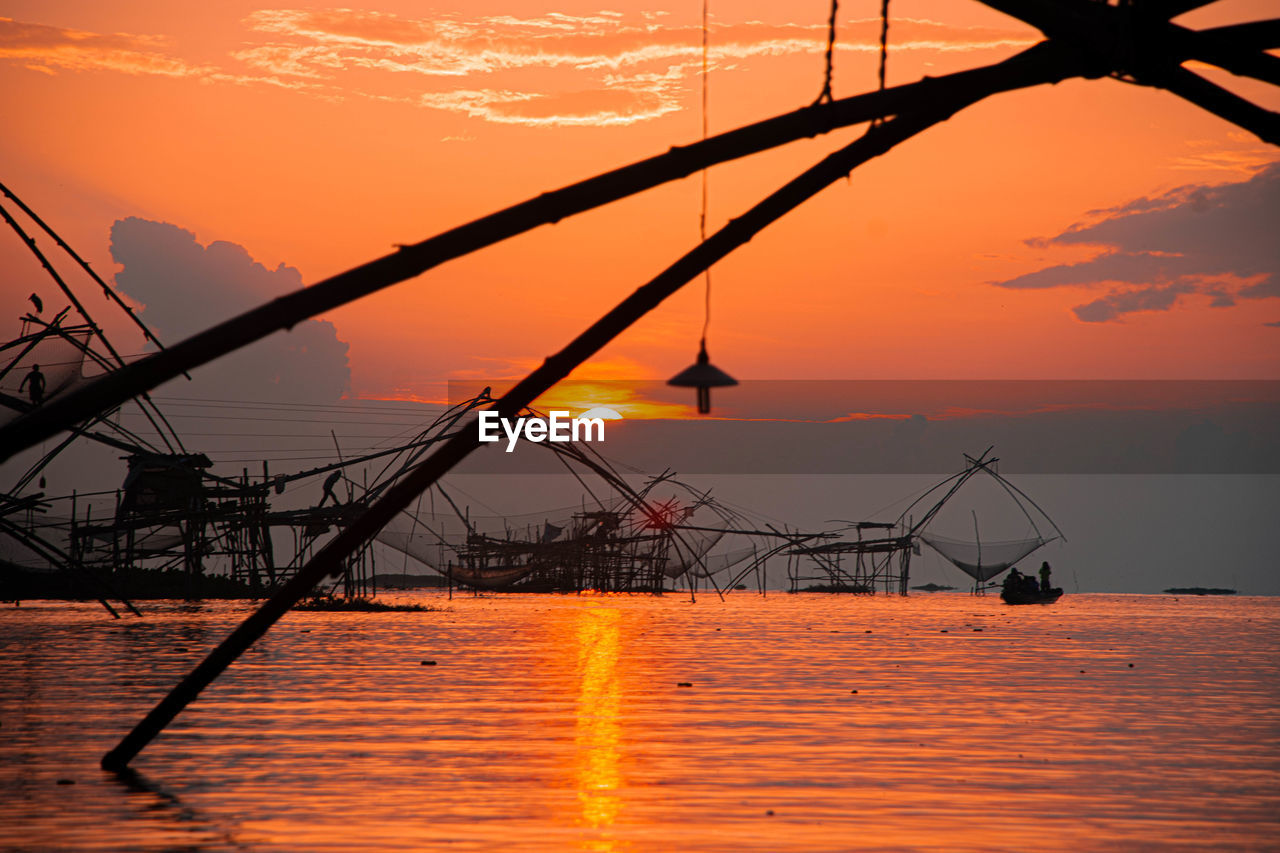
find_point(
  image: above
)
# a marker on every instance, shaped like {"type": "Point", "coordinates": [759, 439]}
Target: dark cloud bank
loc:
{"type": "Point", "coordinates": [187, 287]}
{"type": "Point", "coordinates": [1217, 241]}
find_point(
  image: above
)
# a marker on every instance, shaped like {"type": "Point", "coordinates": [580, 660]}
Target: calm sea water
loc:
{"type": "Point", "coordinates": [558, 723]}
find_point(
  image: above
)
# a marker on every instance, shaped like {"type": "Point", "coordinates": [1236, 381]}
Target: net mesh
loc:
{"type": "Point", "coordinates": [16, 554]}
{"type": "Point", "coordinates": [496, 551]}
{"type": "Point", "coordinates": [60, 356]}
{"type": "Point", "coordinates": [715, 563]}
{"type": "Point", "coordinates": [45, 528]}
{"type": "Point", "coordinates": [982, 561]}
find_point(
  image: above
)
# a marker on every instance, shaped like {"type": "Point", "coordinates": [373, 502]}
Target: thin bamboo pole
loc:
{"type": "Point", "coordinates": [62, 244]}
{"type": "Point", "coordinates": [106, 290]}
{"type": "Point", "coordinates": [94, 328]}
{"type": "Point", "coordinates": [1223, 103]}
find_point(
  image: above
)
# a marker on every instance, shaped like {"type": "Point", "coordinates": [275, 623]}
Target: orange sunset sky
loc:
{"type": "Point", "coordinates": [318, 138]}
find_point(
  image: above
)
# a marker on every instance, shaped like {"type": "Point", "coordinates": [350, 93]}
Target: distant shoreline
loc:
{"type": "Point", "coordinates": [152, 584]}
{"type": "Point", "coordinates": [148, 584]}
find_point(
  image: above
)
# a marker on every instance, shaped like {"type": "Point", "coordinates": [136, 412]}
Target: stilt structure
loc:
{"type": "Point", "coordinates": [862, 565]}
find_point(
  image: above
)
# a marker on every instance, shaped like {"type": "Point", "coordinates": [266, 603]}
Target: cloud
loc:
{"type": "Point", "coordinates": [628, 102]}
{"type": "Point", "coordinates": [1116, 303]}
{"type": "Point", "coordinates": [48, 49]}
{"type": "Point", "coordinates": [322, 41]}
{"type": "Point", "coordinates": [187, 287]}
{"type": "Point", "coordinates": [1244, 162]}
{"type": "Point", "coordinates": [547, 70]}
{"type": "Point", "coordinates": [1214, 240]}
{"type": "Point", "coordinates": [43, 48]}
{"type": "Point", "coordinates": [603, 69]}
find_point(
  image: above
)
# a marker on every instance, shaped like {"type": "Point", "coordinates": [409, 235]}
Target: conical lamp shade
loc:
{"type": "Point", "coordinates": [704, 376]}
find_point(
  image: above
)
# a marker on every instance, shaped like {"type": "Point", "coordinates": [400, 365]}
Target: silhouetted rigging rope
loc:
{"type": "Point", "coordinates": [884, 49]}
{"type": "Point", "coordinates": [825, 94]}
{"type": "Point", "coordinates": [702, 219]}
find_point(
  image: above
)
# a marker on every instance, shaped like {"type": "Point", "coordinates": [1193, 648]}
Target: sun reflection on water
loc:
{"type": "Point", "coordinates": [598, 734]}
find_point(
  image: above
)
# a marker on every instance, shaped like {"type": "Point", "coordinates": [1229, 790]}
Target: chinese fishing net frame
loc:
{"type": "Point", "coordinates": [980, 560]}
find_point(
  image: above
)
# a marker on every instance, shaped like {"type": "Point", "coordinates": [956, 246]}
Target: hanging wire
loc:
{"type": "Point", "coordinates": [702, 219]}
{"type": "Point", "coordinates": [825, 94]}
{"type": "Point", "coordinates": [884, 49]}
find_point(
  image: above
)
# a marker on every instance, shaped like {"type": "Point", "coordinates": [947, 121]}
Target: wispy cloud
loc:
{"type": "Point", "coordinates": [605, 69]}
{"type": "Point", "coordinates": [48, 50]}
{"type": "Point", "coordinates": [1242, 155]}
{"type": "Point", "coordinates": [1214, 240]}
{"type": "Point", "coordinates": [45, 48]}
{"type": "Point", "coordinates": [555, 69]}
{"type": "Point", "coordinates": [451, 46]}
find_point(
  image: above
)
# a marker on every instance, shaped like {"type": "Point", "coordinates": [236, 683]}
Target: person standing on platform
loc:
{"type": "Point", "coordinates": [37, 385]}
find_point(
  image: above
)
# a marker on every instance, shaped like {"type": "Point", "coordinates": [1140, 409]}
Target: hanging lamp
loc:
{"type": "Point", "coordinates": [704, 376]}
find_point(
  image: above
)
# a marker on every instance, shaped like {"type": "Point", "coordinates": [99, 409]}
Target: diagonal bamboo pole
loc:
{"type": "Point", "coordinates": [1029, 67]}
{"type": "Point", "coordinates": [1228, 50]}
{"type": "Point", "coordinates": [1264, 123]}
{"type": "Point", "coordinates": [1174, 8]}
{"type": "Point", "coordinates": [329, 560]}
{"type": "Point", "coordinates": [1255, 35]}
{"type": "Point", "coordinates": [1143, 36]}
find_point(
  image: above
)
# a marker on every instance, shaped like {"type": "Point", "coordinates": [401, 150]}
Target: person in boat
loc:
{"type": "Point", "coordinates": [37, 385]}
{"type": "Point", "coordinates": [1044, 577]}
{"type": "Point", "coordinates": [1013, 580]}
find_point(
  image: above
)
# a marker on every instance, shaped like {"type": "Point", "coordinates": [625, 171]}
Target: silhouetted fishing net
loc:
{"type": "Point", "coordinates": [982, 561]}
{"type": "Point", "coordinates": [712, 564]}
{"type": "Point", "coordinates": [15, 554]}
{"type": "Point", "coordinates": [31, 540]}
{"type": "Point", "coordinates": [60, 356]}
{"type": "Point", "coordinates": [494, 551]}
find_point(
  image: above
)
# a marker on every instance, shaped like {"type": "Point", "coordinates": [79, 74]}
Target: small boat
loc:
{"type": "Point", "coordinates": [1028, 596]}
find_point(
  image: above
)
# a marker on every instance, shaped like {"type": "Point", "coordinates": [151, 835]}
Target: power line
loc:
{"type": "Point", "coordinates": [392, 406]}
{"type": "Point", "coordinates": [289, 435]}
{"type": "Point", "coordinates": [282, 420]}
